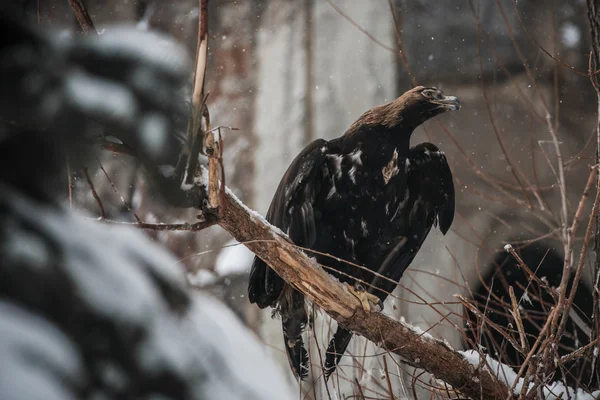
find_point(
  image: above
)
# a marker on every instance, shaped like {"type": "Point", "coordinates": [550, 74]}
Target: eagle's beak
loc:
{"type": "Point", "coordinates": [449, 102]}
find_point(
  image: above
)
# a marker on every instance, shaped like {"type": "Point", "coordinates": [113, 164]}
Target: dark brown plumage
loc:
{"type": "Point", "coordinates": [365, 197]}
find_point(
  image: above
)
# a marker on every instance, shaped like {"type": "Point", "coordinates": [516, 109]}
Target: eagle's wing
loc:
{"type": "Point", "coordinates": [430, 172]}
{"type": "Point", "coordinates": [428, 200]}
{"type": "Point", "coordinates": [291, 211]}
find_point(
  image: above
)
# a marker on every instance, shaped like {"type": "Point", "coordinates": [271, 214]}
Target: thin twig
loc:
{"type": "Point", "coordinates": [532, 352]}
{"type": "Point", "coordinates": [360, 28]}
{"type": "Point", "coordinates": [125, 203]}
{"type": "Point", "coordinates": [94, 193]}
{"type": "Point", "coordinates": [558, 61]}
{"type": "Point", "coordinates": [526, 268]}
{"type": "Point", "coordinates": [580, 352]}
{"type": "Point", "coordinates": [321, 364]}
{"type": "Point", "coordinates": [198, 226]}
{"type": "Point", "coordinates": [478, 171]}
{"type": "Point", "coordinates": [577, 218]}
{"type": "Point", "coordinates": [360, 392]}
{"type": "Point", "coordinates": [588, 235]}
{"type": "Point", "coordinates": [489, 322]}
{"type": "Point", "coordinates": [518, 321]}
{"type": "Point", "coordinates": [400, 45]}
{"type": "Point", "coordinates": [387, 378]}
{"type": "Point", "coordinates": [513, 168]}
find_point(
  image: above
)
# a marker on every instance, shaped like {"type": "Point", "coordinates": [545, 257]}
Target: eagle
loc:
{"type": "Point", "coordinates": [364, 203]}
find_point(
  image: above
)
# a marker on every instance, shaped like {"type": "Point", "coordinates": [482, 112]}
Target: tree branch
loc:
{"type": "Point", "coordinates": [196, 135]}
{"type": "Point", "coordinates": [304, 274]}
{"type": "Point", "coordinates": [86, 23]}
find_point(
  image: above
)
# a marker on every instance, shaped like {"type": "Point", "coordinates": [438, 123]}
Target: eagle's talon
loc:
{"type": "Point", "coordinates": [365, 298]}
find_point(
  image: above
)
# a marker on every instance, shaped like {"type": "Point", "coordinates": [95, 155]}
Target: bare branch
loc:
{"type": "Point", "coordinates": [201, 57]}
{"type": "Point", "coordinates": [86, 23]}
{"type": "Point", "coordinates": [94, 193]}
{"type": "Point", "coordinates": [198, 226]}
{"type": "Point", "coordinates": [196, 139]}
{"type": "Point", "coordinates": [114, 188]}
{"type": "Point", "coordinates": [588, 236]}
{"type": "Point", "coordinates": [303, 273]}
{"type": "Point", "coordinates": [518, 321]}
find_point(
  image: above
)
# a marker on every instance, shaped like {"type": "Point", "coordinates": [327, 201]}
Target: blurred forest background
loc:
{"type": "Point", "coordinates": [285, 72]}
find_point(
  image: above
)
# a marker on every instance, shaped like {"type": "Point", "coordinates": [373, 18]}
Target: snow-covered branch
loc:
{"type": "Point", "coordinates": [416, 348]}
{"type": "Point", "coordinates": [469, 372]}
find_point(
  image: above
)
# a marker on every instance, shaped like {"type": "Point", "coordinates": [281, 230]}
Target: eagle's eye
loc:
{"type": "Point", "coordinates": [427, 93]}
{"type": "Point", "coordinates": [433, 94]}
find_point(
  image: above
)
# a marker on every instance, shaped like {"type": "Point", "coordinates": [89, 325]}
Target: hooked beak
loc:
{"type": "Point", "coordinates": [449, 102]}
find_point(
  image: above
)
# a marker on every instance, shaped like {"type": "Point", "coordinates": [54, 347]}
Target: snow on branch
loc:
{"type": "Point", "coordinates": [464, 370]}
{"type": "Point", "coordinates": [418, 350]}
{"type": "Point", "coordinates": [550, 391]}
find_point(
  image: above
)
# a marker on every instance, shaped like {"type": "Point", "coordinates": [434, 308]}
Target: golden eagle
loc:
{"type": "Point", "coordinates": [366, 198]}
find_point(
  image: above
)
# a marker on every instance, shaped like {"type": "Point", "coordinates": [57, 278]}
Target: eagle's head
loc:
{"type": "Point", "coordinates": [434, 99]}
{"type": "Point", "coordinates": [422, 103]}
{"type": "Point", "coordinates": [409, 110]}
{"type": "Point", "coordinates": [416, 106]}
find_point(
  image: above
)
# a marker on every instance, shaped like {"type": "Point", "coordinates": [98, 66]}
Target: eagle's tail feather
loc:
{"type": "Point", "coordinates": [293, 320]}
{"type": "Point", "coordinates": [297, 354]}
{"type": "Point", "coordinates": [335, 350]}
